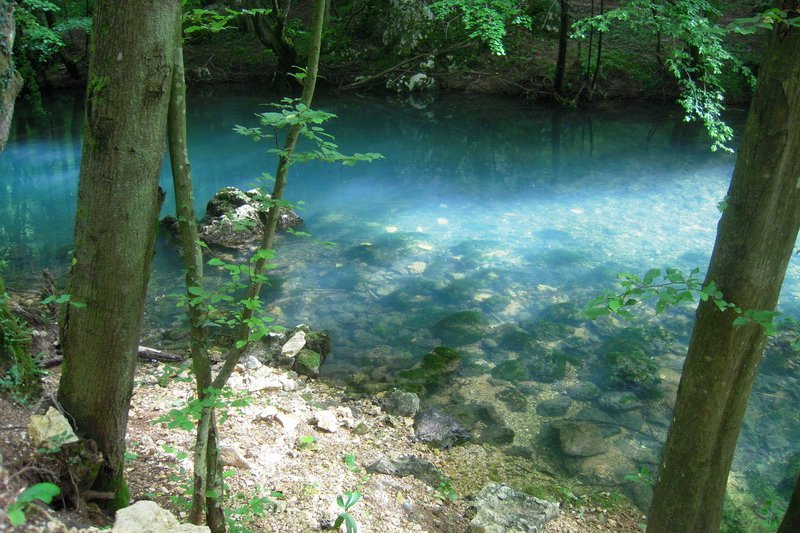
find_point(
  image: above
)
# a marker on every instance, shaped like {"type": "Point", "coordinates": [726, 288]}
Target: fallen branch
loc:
{"type": "Point", "coordinates": [149, 354]}
{"type": "Point", "coordinates": [370, 79]}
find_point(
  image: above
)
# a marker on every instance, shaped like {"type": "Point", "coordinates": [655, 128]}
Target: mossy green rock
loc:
{"type": "Point", "coordinates": [436, 364]}
{"type": "Point", "coordinates": [307, 362]}
{"type": "Point", "coordinates": [458, 329]}
{"type": "Point", "coordinates": [511, 370]}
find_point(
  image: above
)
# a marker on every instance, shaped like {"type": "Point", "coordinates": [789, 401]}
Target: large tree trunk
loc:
{"type": "Point", "coordinates": [130, 71]}
{"type": "Point", "coordinates": [10, 80]}
{"type": "Point", "coordinates": [755, 240]}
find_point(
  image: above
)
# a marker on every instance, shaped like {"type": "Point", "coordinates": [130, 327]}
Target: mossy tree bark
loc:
{"type": "Point", "coordinates": [10, 80]}
{"type": "Point", "coordinates": [130, 72]}
{"type": "Point", "coordinates": [755, 240]}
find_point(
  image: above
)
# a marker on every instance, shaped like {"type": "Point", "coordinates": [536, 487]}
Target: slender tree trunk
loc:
{"type": "Point", "coordinates": [130, 72]}
{"type": "Point", "coordinates": [561, 60]}
{"type": "Point", "coordinates": [791, 520]}
{"type": "Point", "coordinates": [755, 239]}
{"type": "Point", "coordinates": [10, 80]}
{"type": "Point", "coordinates": [596, 73]}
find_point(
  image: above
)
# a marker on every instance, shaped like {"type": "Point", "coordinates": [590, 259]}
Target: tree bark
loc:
{"type": "Point", "coordinates": [791, 520]}
{"type": "Point", "coordinates": [10, 80]}
{"type": "Point", "coordinates": [755, 240]}
{"type": "Point", "coordinates": [130, 72]}
{"type": "Point", "coordinates": [561, 60]}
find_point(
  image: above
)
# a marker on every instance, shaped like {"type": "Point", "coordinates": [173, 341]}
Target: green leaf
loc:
{"type": "Point", "coordinates": [16, 516]}
{"type": "Point", "coordinates": [41, 491]}
{"type": "Point", "coordinates": [651, 274]}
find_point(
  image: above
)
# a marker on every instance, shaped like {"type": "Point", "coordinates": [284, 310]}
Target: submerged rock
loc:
{"type": "Point", "coordinates": [501, 509]}
{"type": "Point", "coordinates": [439, 429]}
{"type": "Point", "coordinates": [458, 329]}
{"type": "Point", "coordinates": [401, 403]}
{"type": "Point", "coordinates": [484, 423]}
{"type": "Point", "coordinates": [235, 218]}
{"type": "Point", "coordinates": [429, 373]}
{"type": "Point", "coordinates": [554, 406]}
{"type": "Point", "coordinates": [580, 439]}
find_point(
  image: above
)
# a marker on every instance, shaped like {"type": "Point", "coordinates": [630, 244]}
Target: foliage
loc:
{"type": "Point", "coordinates": [698, 63]}
{"type": "Point", "coordinates": [485, 21]}
{"type": "Point", "coordinates": [187, 416]}
{"type": "Point", "coordinates": [644, 476]}
{"type": "Point", "coordinates": [445, 491]}
{"type": "Point", "coordinates": [345, 502]}
{"type": "Point", "coordinates": [669, 288]}
{"type": "Point", "coordinates": [44, 492]}
{"type": "Point", "coordinates": [292, 112]}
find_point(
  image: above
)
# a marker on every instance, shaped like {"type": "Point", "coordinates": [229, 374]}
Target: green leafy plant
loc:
{"type": "Point", "coordinates": [345, 502]}
{"type": "Point", "coordinates": [484, 21]}
{"type": "Point", "coordinates": [306, 442]}
{"type": "Point", "coordinates": [350, 461]}
{"type": "Point", "coordinates": [669, 288]}
{"type": "Point", "coordinates": [643, 476]}
{"type": "Point", "coordinates": [445, 491]}
{"type": "Point", "coordinates": [187, 416]}
{"type": "Point", "coordinates": [44, 492]}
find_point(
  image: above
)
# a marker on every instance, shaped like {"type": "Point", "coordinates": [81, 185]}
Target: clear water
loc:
{"type": "Point", "coordinates": [482, 204]}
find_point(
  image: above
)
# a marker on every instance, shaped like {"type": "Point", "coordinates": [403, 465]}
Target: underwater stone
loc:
{"type": "Point", "coordinates": [554, 406]}
{"type": "Point", "coordinates": [620, 401]}
{"type": "Point", "coordinates": [437, 364]}
{"type": "Point", "coordinates": [580, 439]}
{"type": "Point", "coordinates": [584, 391]}
{"type": "Point", "coordinates": [484, 422]}
{"type": "Point", "coordinates": [513, 399]}
{"type": "Point", "coordinates": [511, 370]}
{"type": "Point", "coordinates": [458, 329]}
{"type": "Point", "coordinates": [501, 509]}
{"type": "Point", "coordinates": [401, 403]}
{"type": "Point", "coordinates": [439, 429]}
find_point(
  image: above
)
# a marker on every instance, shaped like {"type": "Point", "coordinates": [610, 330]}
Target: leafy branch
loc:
{"type": "Point", "coordinates": [669, 288]}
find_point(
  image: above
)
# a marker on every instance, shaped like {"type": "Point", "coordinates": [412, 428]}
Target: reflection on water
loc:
{"type": "Point", "coordinates": [487, 227]}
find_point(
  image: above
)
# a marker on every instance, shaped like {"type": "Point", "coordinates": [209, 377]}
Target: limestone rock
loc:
{"type": "Point", "coordinates": [149, 517]}
{"type": "Point", "coordinates": [327, 421]}
{"type": "Point", "coordinates": [439, 429]}
{"type": "Point", "coordinates": [294, 344]}
{"type": "Point", "coordinates": [50, 430]}
{"type": "Point", "coordinates": [501, 509]}
{"type": "Point", "coordinates": [232, 456]}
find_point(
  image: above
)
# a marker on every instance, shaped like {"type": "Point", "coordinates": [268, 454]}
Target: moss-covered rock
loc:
{"type": "Point", "coordinates": [429, 373]}
{"type": "Point", "coordinates": [458, 329]}
{"type": "Point", "coordinates": [307, 363]}
{"type": "Point", "coordinates": [513, 399]}
{"type": "Point", "coordinates": [511, 370]}
{"type": "Point", "coordinates": [547, 331]}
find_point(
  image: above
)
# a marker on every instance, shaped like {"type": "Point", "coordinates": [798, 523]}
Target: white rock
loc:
{"type": "Point", "coordinates": [267, 384]}
{"type": "Point", "coordinates": [251, 363]}
{"type": "Point", "coordinates": [268, 413]}
{"type": "Point", "coordinates": [289, 422]}
{"type": "Point", "coordinates": [327, 421]}
{"type": "Point", "coordinates": [148, 445]}
{"type": "Point", "coordinates": [232, 456]}
{"type": "Point", "coordinates": [50, 430]}
{"type": "Point", "coordinates": [149, 517]}
{"type": "Point", "coordinates": [294, 344]}
{"type": "Point", "coordinates": [417, 267]}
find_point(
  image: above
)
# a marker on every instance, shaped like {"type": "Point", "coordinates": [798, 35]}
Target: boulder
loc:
{"type": "Point", "coordinates": [554, 406]}
{"type": "Point", "coordinates": [149, 517]}
{"type": "Point", "coordinates": [235, 218]}
{"type": "Point", "coordinates": [50, 430]}
{"type": "Point", "coordinates": [401, 403]}
{"type": "Point", "coordinates": [408, 465]}
{"type": "Point", "coordinates": [439, 429]}
{"type": "Point", "coordinates": [307, 363]}
{"type": "Point", "coordinates": [459, 329]}
{"type": "Point", "coordinates": [580, 439]}
{"type": "Point", "coordinates": [501, 509]}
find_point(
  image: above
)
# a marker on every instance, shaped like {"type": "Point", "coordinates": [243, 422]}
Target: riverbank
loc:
{"type": "Point", "coordinates": [283, 460]}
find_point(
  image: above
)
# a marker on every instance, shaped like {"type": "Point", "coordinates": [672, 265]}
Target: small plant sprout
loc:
{"type": "Point", "coordinates": [345, 502]}
{"type": "Point", "coordinates": [44, 492]}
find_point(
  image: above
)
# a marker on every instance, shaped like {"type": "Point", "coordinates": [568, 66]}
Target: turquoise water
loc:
{"type": "Point", "coordinates": [517, 212]}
